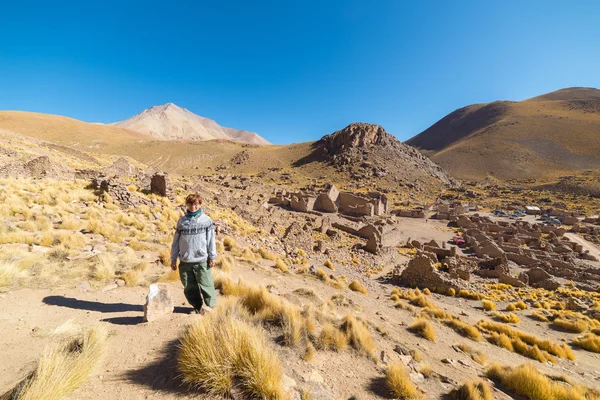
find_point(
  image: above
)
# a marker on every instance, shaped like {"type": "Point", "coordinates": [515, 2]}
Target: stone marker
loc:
{"type": "Point", "coordinates": [158, 302]}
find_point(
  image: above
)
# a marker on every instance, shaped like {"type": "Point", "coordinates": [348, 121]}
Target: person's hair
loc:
{"type": "Point", "coordinates": [192, 198]}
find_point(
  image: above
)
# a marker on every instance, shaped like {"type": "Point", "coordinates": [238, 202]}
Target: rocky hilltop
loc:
{"type": "Point", "coordinates": [367, 150]}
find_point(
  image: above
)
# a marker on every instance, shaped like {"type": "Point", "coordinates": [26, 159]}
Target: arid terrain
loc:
{"type": "Point", "coordinates": [352, 267]}
{"type": "Point", "coordinates": [536, 139]}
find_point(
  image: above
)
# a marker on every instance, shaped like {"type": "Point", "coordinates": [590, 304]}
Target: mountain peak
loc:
{"type": "Point", "coordinates": [172, 122]}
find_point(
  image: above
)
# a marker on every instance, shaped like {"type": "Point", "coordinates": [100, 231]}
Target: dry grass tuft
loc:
{"type": "Point", "coordinates": [224, 349]}
{"type": "Point", "coordinates": [356, 286]}
{"type": "Point", "coordinates": [332, 338]}
{"type": "Point", "coordinates": [576, 326]}
{"type": "Point", "coordinates": [164, 255]}
{"type": "Point", "coordinates": [280, 265]}
{"type": "Point", "coordinates": [472, 390]}
{"type": "Point", "coordinates": [267, 255]}
{"type": "Point", "coordinates": [464, 329]}
{"type": "Point", "coordinates": [589, 342]}
{"type": "Point", "coordinates": [359, 336]}
{"type": "Point", "coordinates": [475, 355]}
{"type": "Point", "coordinates": [104, 266]}
{"type": "Point", "coordinates": [132, 278]}
{"type": "Point", "coordinates": [426, 370]}
{"type": "Point", "coordinates": [8, 271]}
{"type": "Point", "coordinates": [510, 318]}
{"type": "Point", "coordinates": [62, 368]}
{"type": "Point", "coordinates": [169, 276]}
{"type": "Point", "coordinates": [309, 353]}
{"type": "Point", "coordinates": [399, 382]}
{"type": "Point", "coordinates": [488, 305]}
{"type": "Point", "coordinates": [229, 243]}
{"type": "Point", "coordinates": [329, 265]}
{"type": "Point", "coordinates": [527, 381]}
{"type": "Point", "coordinates": [224, 263]}
{"type": "Point", "coordinates": [424, 329]}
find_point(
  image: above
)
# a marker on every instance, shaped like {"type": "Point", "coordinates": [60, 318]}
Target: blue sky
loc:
{"type": "Point", "coordinates": [292, 71]}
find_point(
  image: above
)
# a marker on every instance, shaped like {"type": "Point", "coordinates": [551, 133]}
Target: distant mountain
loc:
{"type": "Point", "coordinates": [171, 122]}
{"type": "Point", "coordinates": [543, 137]}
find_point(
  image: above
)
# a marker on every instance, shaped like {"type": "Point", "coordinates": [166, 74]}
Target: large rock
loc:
{"type": "Point", "coordinates": [327, 201]}
{"type": "Point", "coordinates": [421, 273]}
{"type": "Point", "coordinates": [160, 184]}
{"type": "Point", "coordinates": [158, 302]}
{"type": "Point", "coordinates": [548, 284]}
{"type": "Point", "coordinates": [537, 275]}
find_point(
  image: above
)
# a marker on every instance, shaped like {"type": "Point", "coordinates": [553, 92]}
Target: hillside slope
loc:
{"type": "Point", "coordinates": [543, 137]}
{"type": "Point", "coordinates": [171, 122]}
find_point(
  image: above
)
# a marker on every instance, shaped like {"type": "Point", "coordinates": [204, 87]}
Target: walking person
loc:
{"type": "Point", "coordinates": [194, 245]}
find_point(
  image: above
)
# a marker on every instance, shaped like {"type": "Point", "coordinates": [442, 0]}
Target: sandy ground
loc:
{"type": "Point", "coordinates": [140, 359]}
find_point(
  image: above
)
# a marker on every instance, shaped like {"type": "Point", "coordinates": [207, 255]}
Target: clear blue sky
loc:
{"type": "Point", "coordinates": [292, 70]}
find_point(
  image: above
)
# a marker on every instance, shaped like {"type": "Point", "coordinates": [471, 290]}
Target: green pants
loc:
{"type": "Point", "coordinates": [198, 284]}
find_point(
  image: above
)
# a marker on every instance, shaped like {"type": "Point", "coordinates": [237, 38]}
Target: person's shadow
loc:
{"type": "Point", "coordinates": [97, 306]}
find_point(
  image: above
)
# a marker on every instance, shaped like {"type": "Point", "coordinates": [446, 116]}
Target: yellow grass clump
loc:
{"type": "Point", "coordinates": [424, 329]}
{"type": "Point", "coordinates": [589, 342]}
{"type": "Point", "coordinates": [525, 380]}
{"type": "Point", "coordinates": [506, 318]}
{"type": "Point", "coordinates": [132, 277]}
{"type": "Point", "coordinates": [356, 286]}
{"type": "Point", "coordinates": [488, 305]}
{"type": "Point", "coordinates": [224, 350]}
{"type": "Point", "coordinates": [358, 336]}
{"type": "Point", "coordinates": [399, 383]}
{"type": "Point", "coordinates": [280, 265]}
{"type": "Point", "coordinates": [8, 271]}
{"type": "Point", "coordinates": [164, 255]}
{"type": "Point", "coordinates": [104, 267]}
{"type": "Point", "coordinates": [267, 255]}
{"type": "Point", "coordinates": [322, 275]}
{"type": "Point", "coordinates": [169, 276]}
{"type": "Point", "coordinates": [62, 367]}
{"type": "Point", "coordinates": [464, 329]}
{"type": "Point", "coordinates": [576, 326]}
{"type": "Point", "coordinates": [524, 343]}
{"type": "Point", "coordinates": [331, 338]}
{"type": "Point", "coordinates": [472, 390]}
{"type": "Point", "coordinates": [229, 243]}
{"type": "Point", "coordinates": [224, 263]}
{"type": "Point", "coordinates": [475, 355]}
{"type": "Point", "coordinates": [329, 265]}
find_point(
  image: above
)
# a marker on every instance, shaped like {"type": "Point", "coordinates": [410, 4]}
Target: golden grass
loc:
{"type": "Point", "coordinates": [164, 255]}
{"type": "Point", "coordinates": [488, 305]}
{"type": "Point", "coordinates": [224, 263]}
{"type": "Point", "coordinates": [331, 338]}
{"type": "Point", "coordinates": [104, 266]}
{"type": "Point", "coordinates": [309, 353]}
{"type": "Point", "coordinates": [472, 390]}
{"type": "Point", "coordinates": [506, 318]}
{"type": "Point", "coordinates": [267, 255]}
{"type": "Point", "coordinates": [524, 343]}
{"type": "Point", "coordinates": [356, 286]}
{"type": "Point", "coordinates": [476, 355]}
{"type": "Point", "coordinates": [464, 329]}
{"type": "Point", "coordinates": [527, 381]}
{"type": "Point", "coordinates": [576, 326]}
{"type": "Point", "coordinates": [280, 265]}
{"type": "Point", "coordinates": [132, 278]}
{"type": "Point", "coordinates": [540, 316]}
{"type": "Point", "coordinates": [169, 276]}
{"type": "Point", "coordinates": [62, 368]}
{"type": "Point", "coordinates": [224, 349]}
{"type": "Point", "coordinates": [426, 370]}
{"type": "Point", "coordinates": [329, 265]}
{"type": "Point", "coordinates": [399, 383]}
{"type": "Point", "coordinates": [424, 329]}
{"type": "Point", "coordinates": [589, 342]}
{"type": "Point", "coordinates": [359, 336]}
{"type": "Point", "coordinates": [8, 271]}
{"type": "Point", "coordinates": [322, 275]}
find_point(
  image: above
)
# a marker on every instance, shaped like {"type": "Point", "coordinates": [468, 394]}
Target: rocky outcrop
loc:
{"type": "Point", "coordinates": [420, 272]}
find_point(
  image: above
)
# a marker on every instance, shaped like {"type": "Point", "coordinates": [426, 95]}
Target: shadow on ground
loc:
{"type": "Point", "coordinates": [163, 374]}
{"type": "Point", "coordinates": [379, 387]}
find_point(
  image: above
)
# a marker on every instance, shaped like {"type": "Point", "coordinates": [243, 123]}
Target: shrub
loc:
{"type": "Point", "coordinates": [399, 383]}
{"type": "Point", "coordinates": [222, 349]}
{"type": "Point", "coordinates": [356, 286]}
{"type": "Point", "coordinates": [472, 390]}
{"type": "Point", "coordinates": [229, 243]}
{"type": "Point", "coordinates": [329, 265]}
{"type": "Point", "coordinates": [488, 305]}
{"type": "Point", "coordinates": [132, 278]}
{"type": "Point", "coordinates": [104, 267]}
{"type": "Point", "coordinates": [424, 329]}
{"type": "Point", "coordinates": [62, 367]}
{"type": "Point", "coordinates": [511, 317]}
{"type": "Point", "coordinates": [527, 381]}
{"type": "Point", "coordinates": [332, 338]}
{"type": "Point", "coordinates": [358, 336]}
{"type": "Point", "coordinates": [280, 265]}
{"type": "Point", "coordinates": [576, 326]}
{"type": "Point", "coordinates": [322, 275]}
{"type": "Point", "coordinates": [589, 342]}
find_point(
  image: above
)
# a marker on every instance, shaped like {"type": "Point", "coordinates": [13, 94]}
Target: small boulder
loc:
{"type": "Point", "coordinates": [158, 302]}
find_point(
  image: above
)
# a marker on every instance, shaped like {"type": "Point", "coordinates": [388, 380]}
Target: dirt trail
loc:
{"type": "Point", "coordinates": [592, 248]}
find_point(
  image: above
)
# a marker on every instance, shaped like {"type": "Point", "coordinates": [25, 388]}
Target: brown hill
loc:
{"type": "Point", "coordinates": [172, 122]}
{"type": "Point", "coordinates": [543, 137]}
